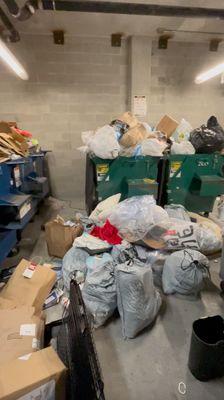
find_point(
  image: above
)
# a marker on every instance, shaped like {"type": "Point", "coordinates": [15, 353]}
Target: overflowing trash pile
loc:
{"type": "Point", "coordinates": [126, 136]}
{"type": "Point", "coordinates": [130, 252]}
{"type": "Point", "coordinates": [16, 142]}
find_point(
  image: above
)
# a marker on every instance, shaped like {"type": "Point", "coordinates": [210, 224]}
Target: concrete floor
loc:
{"type": "Point", "coordinates": [151, 366]}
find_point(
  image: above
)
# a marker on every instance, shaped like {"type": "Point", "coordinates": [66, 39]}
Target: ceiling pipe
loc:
{"type": "Point", "coordinates": [23, 13]}
{"type": "Point", "coordinates": [13, 33]}
{"type": "Point", "coordinates": [130, 8]}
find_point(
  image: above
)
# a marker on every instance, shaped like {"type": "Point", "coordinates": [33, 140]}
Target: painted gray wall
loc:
{"type": "Point", "coordinates": [85, 84]}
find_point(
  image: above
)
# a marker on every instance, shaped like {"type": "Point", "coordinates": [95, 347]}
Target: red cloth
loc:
{"type": "Point", "coordinates": [107, 232]}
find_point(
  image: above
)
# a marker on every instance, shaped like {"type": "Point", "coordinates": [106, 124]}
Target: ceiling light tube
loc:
{"type": "Point", "coordinates": [211, 73]}
{"type": "Point", "coordinates": [8, 57]}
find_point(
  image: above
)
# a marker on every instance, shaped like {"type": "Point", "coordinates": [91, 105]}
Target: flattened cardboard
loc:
{"type": "Point", "coordinates": [29, 292]}
{"type": "Point", "coordinates": [167, 125]}
{"type": "Point", "coordinates": [59, 237]}
{"type": "Point", "coordinates": [20, 377]}
{"type": "Point", "coordinates": [12, 344]}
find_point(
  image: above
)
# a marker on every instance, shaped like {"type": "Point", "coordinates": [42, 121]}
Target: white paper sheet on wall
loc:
{"type": "Point", "coordinates": [140, 106]}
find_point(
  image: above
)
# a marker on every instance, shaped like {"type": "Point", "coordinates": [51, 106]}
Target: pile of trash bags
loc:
{"type": "Point", "coordinates": [128, 137]}
{"type": "Point", "coordinates": [133, 252]}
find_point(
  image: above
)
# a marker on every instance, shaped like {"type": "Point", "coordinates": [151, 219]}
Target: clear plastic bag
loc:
{"type": "Point", "coordinates": [173, 235]}
{"type": "Point", "coordinates": [209, 239]}
{"type": "Point", "coordinates": [73, 261]}
{"type": "Point", "coordinates": [134, 216]}
{"type": "Point", "coordinates": [138, 300]}
{"type": "Point", "coordinates": [184, 272]}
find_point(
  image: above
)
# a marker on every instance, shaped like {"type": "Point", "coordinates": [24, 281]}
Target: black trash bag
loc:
{"type": "Point", "coordinates": [208, 139]}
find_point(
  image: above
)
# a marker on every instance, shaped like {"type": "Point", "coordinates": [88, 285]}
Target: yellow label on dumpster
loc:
{"type": "Point", "coordinates": [175, 165]}
{"type": "Point", "coordinates": [101, 170]}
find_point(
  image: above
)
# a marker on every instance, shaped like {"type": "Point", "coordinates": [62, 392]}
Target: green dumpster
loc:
{"type": "Point", "coordinates": [194, 181]}
{"type": "Point", "coordinates": [130, 176]}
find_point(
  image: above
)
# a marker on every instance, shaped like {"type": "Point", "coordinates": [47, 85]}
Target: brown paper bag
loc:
{"type": "Point", "coordinates": [134, 136]}
{"type": "Point", "coordinates": [16, 333]}
{"type": "Point", "coordinates": [60, 237]}
{"type": "Point", "coordinates": [28, 291]}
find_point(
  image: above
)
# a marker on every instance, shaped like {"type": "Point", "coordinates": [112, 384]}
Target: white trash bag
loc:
{"type": "Point", "coordinates": [103, 209]}
{"type": "Point", "coordinates": [104, 143]}
{"type": "Point", "coordinates": [138, 300]}
{"type": "Point", "coordinates": [185, 147]}
{"type": "Point", "coordinates": [99, 294]}
{"type": "Point", "coordinates": [134, 216]}
{"type": "Point", "coordinates": [184, 272]}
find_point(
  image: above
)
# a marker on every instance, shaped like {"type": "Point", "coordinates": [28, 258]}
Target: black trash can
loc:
{"type": "Point", "coordinates": [206, 358]}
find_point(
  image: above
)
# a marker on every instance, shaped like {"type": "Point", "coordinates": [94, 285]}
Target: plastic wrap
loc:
{"type": "Point", "coordinates": [184, 272]}
{"type": "Point", "coordinates": [138, 300]}
{"type": "Point", "coordinates": [103, 209]}
{"type": "Point", "coordinates": [177, 211]}
{"type": "Point", "coordinates": [99, 294]}
{"type": "Point", "coordinates": [134, 216]}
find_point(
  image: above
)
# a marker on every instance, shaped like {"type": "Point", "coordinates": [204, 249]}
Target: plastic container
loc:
{"type": "Point", "coordinates": [206, 358]}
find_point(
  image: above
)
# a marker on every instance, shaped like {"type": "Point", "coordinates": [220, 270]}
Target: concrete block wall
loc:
{"type": "Point", "coordinates": [72, 88]}
{"type": "Point", "coordinates": [84, 84]}
{"type": "Point", "coordinates": [173, 90]}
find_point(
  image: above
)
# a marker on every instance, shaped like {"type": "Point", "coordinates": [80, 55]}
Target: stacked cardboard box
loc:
{"type": "Point", "coordinates": [25, 370]}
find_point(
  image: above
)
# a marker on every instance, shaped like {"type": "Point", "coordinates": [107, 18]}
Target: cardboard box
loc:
{"type": "Point", "coordinates": [40, 375]}
{"type": "Point", "coordinates": [60, 237]}
{"type": "Point", "coordinates": [134, 136]}
{"type": "Point", "coordinates": [167, 125]}
{"type": "Point", "coordinates": [29, 291]}
{"type": "Point", "coordinates": [21, 332]}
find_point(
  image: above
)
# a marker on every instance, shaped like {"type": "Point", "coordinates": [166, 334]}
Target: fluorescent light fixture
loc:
{"type": "Point", "coordinates": [8, 57]}
{"type": "Point", "coordinates": [205, 76]}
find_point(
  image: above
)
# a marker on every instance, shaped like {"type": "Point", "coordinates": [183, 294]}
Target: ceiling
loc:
{"type": "Point", "coordinates": [74, 23]}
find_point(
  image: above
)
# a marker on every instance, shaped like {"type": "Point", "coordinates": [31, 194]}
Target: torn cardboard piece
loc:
{"type": "Point", "coordinates": [60, 237]}
{"type": "Point", "coordinates": [40, 375]}
{"type": "Point", "coordinates": [21, 290]}
{"type": "Point", "coordinates": [167, 125]}
{"type": "Point", "coordinates": [129, 119]}
{"type": "Point", "coordinates": [21, 332]}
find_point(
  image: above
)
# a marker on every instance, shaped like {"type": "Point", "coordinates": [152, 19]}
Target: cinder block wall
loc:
{"type": "Point", "coordinates": [173, 90]}
{"type": "Point", "coordinates": [72, 88]}
{"type": "Point", "coordinates": [84, 84]}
